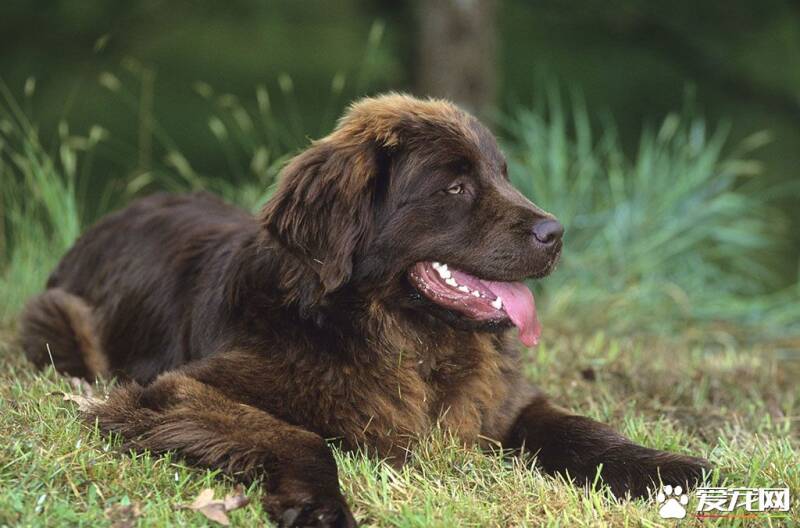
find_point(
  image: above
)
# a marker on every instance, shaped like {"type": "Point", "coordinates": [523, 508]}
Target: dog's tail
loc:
{"type": "Point", "coordinates": [58, 328]}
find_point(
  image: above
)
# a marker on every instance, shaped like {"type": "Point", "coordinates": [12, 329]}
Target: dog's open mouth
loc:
{"type": "Point", "coordinates": [479, 299]}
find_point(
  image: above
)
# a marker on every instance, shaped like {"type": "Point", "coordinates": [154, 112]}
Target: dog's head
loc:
{"type": "Point", "coordinates": [412, 196]}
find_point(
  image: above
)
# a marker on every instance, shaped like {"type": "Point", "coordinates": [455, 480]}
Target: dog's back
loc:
{"type": "Point", "coordinates": [129, 280]}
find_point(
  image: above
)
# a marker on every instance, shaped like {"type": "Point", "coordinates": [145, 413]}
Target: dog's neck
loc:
{"type": "Point", "coordinates": [273, 276]}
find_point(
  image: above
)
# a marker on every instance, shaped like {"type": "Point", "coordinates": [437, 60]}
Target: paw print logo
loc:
{"type": "Point", "coordinates": [672, 501]}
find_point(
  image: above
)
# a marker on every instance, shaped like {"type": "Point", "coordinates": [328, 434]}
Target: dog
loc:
{"type": "Point", "coordinates": [378, 295]}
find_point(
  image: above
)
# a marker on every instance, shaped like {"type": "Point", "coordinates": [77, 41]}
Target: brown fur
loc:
{"type": "Point", "coordinates": [247, 342]}
{"type": "Point", "coordinates": [59, 329]}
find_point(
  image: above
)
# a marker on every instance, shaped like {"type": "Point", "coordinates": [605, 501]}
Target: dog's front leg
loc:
{"type": "Point", "coordinates": [578, 447]}
{"type": "Point", "coordinates": [179, 413]}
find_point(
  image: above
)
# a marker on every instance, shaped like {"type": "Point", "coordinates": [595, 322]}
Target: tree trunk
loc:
{"type": "Point", "coordinates": [457, 52]}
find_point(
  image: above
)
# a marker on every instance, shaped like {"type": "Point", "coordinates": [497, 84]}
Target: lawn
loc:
{"type": "Point", "coordinates": [738, 407]}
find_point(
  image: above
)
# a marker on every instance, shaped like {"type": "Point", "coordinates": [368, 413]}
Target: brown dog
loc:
{"type": "Point", "coordinates": [371, 300]}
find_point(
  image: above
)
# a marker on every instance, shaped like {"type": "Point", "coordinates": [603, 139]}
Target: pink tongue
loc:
{"type": "Point", "coordinates": [519, 305]}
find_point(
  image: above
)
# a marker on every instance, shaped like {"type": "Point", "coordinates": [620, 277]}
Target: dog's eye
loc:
{"type": "Point", "coordinates": [456, 188]}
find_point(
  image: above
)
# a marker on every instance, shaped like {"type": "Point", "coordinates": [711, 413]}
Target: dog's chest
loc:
{"type": "Point", "coordinates": [467, 383]}
{"type": "Point", "coordinates": [451, 383]}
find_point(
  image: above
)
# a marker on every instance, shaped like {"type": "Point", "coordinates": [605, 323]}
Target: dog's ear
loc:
{"type": "Point", "coordinates": [322, 209]}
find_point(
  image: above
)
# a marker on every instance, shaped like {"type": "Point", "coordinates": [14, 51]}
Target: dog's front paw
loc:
{"type": "Point", "coordinates": [580, 447]}
{"type": "Point", "coordinates": [306, 511]}
{"type": "Point", "coordinates": [635, 471]}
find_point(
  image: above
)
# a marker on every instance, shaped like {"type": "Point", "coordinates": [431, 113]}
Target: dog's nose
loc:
{"type": "Point", "coordinates": [548, 231]}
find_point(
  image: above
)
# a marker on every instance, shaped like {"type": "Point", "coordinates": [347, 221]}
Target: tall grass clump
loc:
{"type": "Point", "coordinates": [45, 195]}
{"type": "Point", "coordinates": [675, 236]}
{"type": "Point", "coordinates": [40, 205]}
{"type": "Point", "coordinates": [251, 140]}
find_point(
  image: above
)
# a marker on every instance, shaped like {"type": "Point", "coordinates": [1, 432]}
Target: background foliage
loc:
{"type": "Point", "coordinates": [632, 59]}
{"type": "Point", "coordinates": [673, 218]}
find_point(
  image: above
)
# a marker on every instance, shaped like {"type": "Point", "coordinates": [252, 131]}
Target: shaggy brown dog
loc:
{"type": "Point", "coordinates": [370, 301]}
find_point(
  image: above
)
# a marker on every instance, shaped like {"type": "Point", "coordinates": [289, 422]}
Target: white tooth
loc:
{"type": "Point", "coordinates": [436, 265]}
{"type": "Point", "coordinates": [451, 282]}
{"type": "Point", "coordinates": [444, 273]}
{"type": "Point", "coordinates": [497, 303]}
{"type": "Point", "coordinates": [463, 289]}
{"type": "Point", "coordinates": [444, 267]}
{"type": "Point", "coordinates": [475, 293]}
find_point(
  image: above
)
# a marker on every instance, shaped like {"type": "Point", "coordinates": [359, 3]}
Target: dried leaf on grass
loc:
{"type": "Point", "coordinates": [84, 402]}
{"type": "Point", "coordinates": [84, 395]}
{"type": "Point", "coordinates": [216, 509]}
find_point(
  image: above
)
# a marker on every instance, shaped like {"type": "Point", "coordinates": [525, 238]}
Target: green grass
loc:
{"type": "Point", "coordinates": [739, 408]}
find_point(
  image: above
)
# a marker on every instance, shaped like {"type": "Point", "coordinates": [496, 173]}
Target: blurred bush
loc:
{"type": "Point", "coordinates": [674, 237]}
